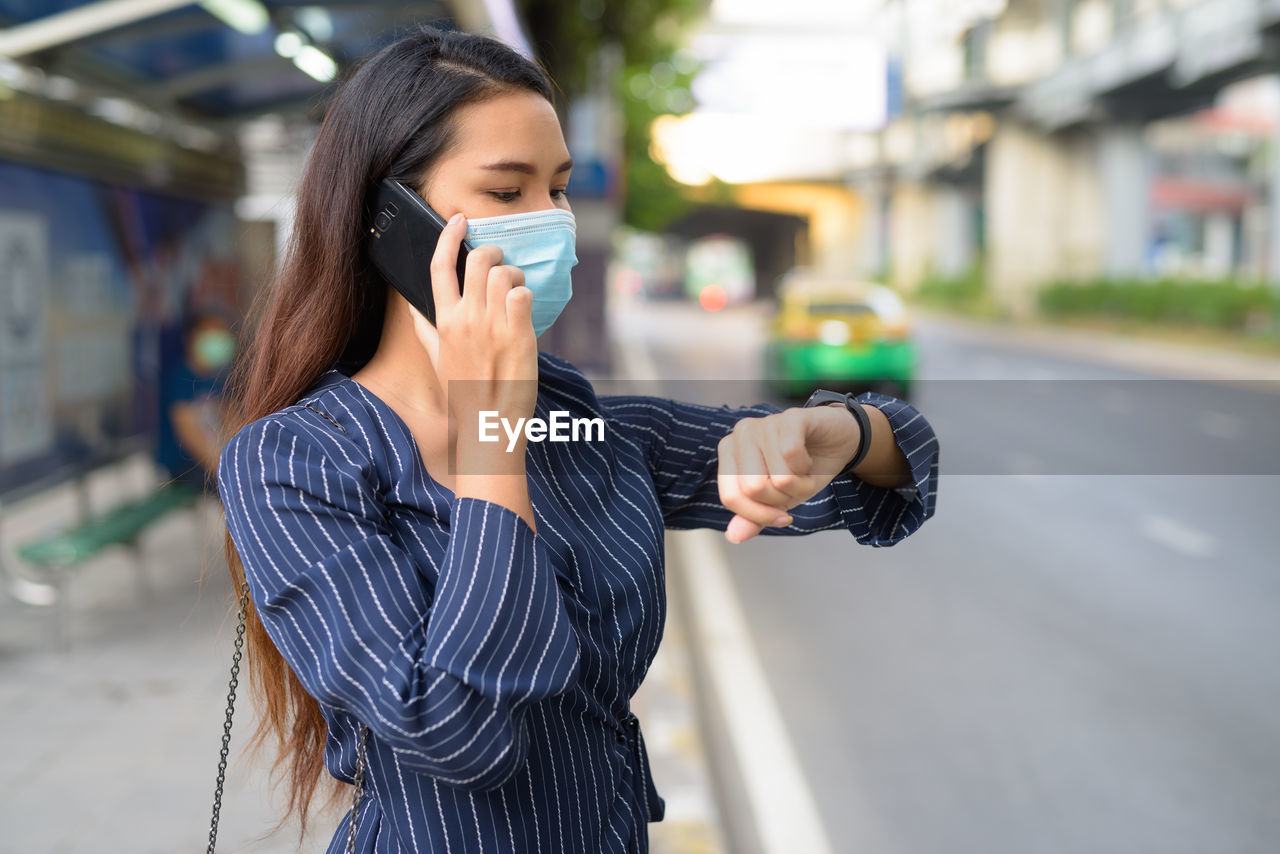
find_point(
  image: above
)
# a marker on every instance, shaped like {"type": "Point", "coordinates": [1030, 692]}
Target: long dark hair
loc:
{"type": "Point", "coordinates": [324, 306]}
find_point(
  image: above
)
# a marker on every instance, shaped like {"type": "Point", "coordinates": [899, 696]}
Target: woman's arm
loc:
{"type": "Point", "coordinates": [885, 464]}
{"type": "Point", "coordinates": [680, 443]}
{"type": "Point", "coordinates": [439, 658]}
{"type": "Point", "coordinates": [192, 435]}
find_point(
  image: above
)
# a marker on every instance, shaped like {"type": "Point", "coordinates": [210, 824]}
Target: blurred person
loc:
{"type": "Point", "coordinates": [191, 423]}
{"type": "Point", "coordinates": [462, 622]}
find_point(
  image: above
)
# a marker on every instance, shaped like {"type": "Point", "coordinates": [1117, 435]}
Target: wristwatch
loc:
{"type": "Point", "coordinates": [822, 397]}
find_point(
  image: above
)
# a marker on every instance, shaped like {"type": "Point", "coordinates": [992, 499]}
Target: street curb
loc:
{"type": "Point", "coordinates": [672, 707]}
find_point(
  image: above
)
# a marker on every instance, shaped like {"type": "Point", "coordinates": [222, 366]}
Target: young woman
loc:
{"type": "Point", "coordinates": [190, 430]}
{"type": "Point", "coordinates": [471, 617]}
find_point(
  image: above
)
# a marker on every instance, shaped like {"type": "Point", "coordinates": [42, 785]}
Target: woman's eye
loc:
{"type": "Point", "coordinates": [505, 195]}
{"type": "Point", "coordinates": [558, 194]}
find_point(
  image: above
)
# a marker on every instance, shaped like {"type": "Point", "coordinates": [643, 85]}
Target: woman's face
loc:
{"type": "Point", "coordinates": [508, 157]}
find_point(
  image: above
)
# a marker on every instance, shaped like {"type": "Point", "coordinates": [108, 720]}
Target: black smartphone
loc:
{"type": "Point", "coordinates": [403, 231]}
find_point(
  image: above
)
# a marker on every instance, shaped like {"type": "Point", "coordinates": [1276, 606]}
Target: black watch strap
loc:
{"type": "Point", "coordinates": [822, 396]}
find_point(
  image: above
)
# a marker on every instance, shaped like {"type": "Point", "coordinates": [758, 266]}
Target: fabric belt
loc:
{"type": "Point", "coordinates": [628, 732]}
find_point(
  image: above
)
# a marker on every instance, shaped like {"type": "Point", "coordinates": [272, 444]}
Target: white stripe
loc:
{"type": "Point", "coordinates": [786, 816]}
{"type": "Point", "coordinates": [787, 819]}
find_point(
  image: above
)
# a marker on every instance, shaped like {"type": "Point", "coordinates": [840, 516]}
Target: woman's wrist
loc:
{"type": "Point", "coordinates": [853, 428]}
{"type": "Point", "coordinates": [489, 472]}
{"type": "Point", "coordinates": [504, 490]}
{"type": "Point", "coordinates": [494, 454]}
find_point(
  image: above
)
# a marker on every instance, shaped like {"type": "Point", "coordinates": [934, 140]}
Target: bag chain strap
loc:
{"type": "Point", "coordinates": [241, 616]}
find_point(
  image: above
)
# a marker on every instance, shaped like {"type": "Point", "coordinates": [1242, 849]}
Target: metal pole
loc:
{"type": "Point", "coordinates": [1273, 210]}
{"type": "Point", "coordinates": [78, 23]}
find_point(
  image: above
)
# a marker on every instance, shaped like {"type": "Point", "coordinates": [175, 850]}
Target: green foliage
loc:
{"type": "Point", "coordinates": [653, 79]}
{"type": "Point", "coordinates": [1224, 304]}
{"type": "Point", "coordinates": [965, 293]}
{"type": "Point", "coordinates": [954, 291]}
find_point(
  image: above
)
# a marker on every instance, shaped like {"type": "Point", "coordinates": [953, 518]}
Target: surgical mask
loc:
{"type": "Point", "coordinates": [215, 349]}
{"type": "Point", "coordinates": [541, 244]}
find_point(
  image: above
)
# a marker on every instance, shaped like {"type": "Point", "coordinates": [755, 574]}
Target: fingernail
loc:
{"type": "Point", "coordinates": [783, 520]}
{"type": "Point", "coordinates": [455, 219]}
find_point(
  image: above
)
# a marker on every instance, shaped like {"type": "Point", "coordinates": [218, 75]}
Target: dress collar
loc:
{"type": "Point", "coordinates": [329, 379]}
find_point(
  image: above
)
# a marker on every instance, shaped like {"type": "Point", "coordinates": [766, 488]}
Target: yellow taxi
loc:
{"type": "Point", "coordinates": [839, 333]}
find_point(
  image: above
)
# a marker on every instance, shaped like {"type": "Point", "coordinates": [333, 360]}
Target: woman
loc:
{"type": "Point", "coordinates": [190, 431]}
{"type": "Point", "coordinates": [486, 609]}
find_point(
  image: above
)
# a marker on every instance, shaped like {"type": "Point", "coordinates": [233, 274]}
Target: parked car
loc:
{"type": "Point", "coordinates": [841, 334]}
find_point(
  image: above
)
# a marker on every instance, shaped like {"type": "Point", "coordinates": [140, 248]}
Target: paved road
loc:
{"type": "Point", "coordinates": [1077, 654]}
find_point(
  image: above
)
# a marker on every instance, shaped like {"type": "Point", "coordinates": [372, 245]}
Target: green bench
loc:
{"type": "Point", "coordinates": [57, 553]}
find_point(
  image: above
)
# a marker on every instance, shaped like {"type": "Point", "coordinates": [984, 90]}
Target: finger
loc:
{"type": "Point", "coordinates": [793, 426]}
{"type": "Point", "coordinates": [739, 530]}
{"type": "Point", "coordinates": [502, 279]}
{"type": "Point", "coordinates": [444, 262]}
{"type": "Point", "coordinates": [520, 308]}
{"type": "Point", "coordinates": [732, 477]}
{"type": "Point", "coordinates": [787, 461]}
{"type": "Point", "coordinates": [755, 486]}
{"type": "Point", "coordinates": [755, 470]}
{"type": "Point", "coordinates": [480, 261]}
{"type": "Point", "coordinates": [729, 480]}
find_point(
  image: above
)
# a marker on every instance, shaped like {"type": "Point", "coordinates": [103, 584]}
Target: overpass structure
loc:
{"type": "Point", "coordinates": [1033, 148]}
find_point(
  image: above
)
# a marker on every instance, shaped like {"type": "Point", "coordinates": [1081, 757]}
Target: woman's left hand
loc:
{"type": "Point", "coordinates": [769, 465]}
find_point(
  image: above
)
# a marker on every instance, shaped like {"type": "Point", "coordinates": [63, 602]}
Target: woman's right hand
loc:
{"type": "Point", "coordinates": [483, 345]}
{"type": "Point", "coordinates": [486, 358]}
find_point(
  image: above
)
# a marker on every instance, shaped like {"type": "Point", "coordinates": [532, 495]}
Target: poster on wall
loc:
{"type": "Point", "coordinates": [26, 425]}
{"type": "Point", "coordinates": [95, 282]}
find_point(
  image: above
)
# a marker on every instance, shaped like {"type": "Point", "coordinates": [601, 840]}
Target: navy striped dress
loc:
{"type": "Point", "coordinates": [494, 666]}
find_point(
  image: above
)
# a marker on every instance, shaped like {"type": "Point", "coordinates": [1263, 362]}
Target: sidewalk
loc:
{"type": "Point", "coordinates": [1164, 358]}
{"type": "Point", "coordinates": [113, 746]}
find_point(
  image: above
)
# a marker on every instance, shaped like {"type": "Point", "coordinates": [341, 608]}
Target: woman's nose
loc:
{"type": "Point", "coordinates": [541, 203]}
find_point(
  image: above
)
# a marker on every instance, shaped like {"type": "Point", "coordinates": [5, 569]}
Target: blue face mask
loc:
{"type": "Point", "coordinates": [541, 244]}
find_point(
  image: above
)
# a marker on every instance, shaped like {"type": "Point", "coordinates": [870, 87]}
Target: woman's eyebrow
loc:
{"type": "Point", "coordinates": [525, 168]}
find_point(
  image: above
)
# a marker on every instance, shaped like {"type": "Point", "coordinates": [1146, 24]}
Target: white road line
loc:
{"type": "Point", "coordinates": [1176, 536]}
{"type": "Point", "coordinates": [786, 815]}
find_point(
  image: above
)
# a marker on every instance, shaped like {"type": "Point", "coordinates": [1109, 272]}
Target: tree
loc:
{"type": "Point", "coordinates": [653, 79]}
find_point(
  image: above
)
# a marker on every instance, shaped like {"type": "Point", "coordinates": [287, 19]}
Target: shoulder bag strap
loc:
{"type": "Point", "coordinates": [358, 783]}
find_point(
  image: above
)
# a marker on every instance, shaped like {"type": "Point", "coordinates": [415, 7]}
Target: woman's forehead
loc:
{"type": "Point", "coordinates": [511, 126]}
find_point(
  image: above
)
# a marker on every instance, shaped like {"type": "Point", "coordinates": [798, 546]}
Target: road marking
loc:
{"type": "Point", "coordinates": [786, 815]}
{"type": "Point", "coordinates": [1176, 536]}
{"type": "Point", "coordinates": [782, 803]}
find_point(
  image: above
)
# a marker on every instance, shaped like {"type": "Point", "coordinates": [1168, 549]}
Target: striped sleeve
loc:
{"type": "Point", "coordinates": [443, 674]}
{"type": "Point", "coordinates": [679, 441]}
